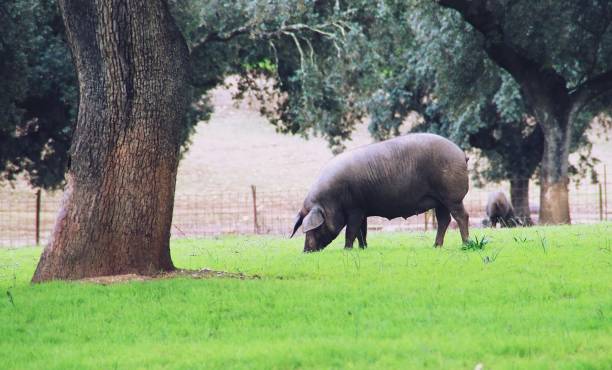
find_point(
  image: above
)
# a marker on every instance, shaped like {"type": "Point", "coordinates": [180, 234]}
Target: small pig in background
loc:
{"type": "Point", "coordinates": [499, 210]}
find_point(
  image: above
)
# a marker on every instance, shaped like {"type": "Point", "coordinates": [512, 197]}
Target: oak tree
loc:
{"type": "Point", "coordinates": [559, 54]}
{"type": "Point", "coordinates": [132, 66]}
{"type": "Point", "coordinates": [137, 75]}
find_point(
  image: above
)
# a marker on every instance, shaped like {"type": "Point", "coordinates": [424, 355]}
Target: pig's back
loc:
{"type": "Point", "coordinates": [397, 172]}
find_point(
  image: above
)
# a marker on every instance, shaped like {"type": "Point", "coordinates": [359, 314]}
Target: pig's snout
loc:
{"type": "Point", "coordinates": [312, 244]}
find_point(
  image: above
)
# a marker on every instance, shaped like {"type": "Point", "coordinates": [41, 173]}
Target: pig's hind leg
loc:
{"type": "Point", "coordinates": [443, 217]}
{"type": "Point", "coordinates": [461, 216]}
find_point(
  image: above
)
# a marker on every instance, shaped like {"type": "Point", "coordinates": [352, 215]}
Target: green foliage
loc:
{"type": "Point", "coordinates": [306, 48]}
{"type": "Point", "coordinates": [446, 77]}
{"type": "Point", "coordinates": [317, 78]}
{"type": "Point", "coordinates": [399, 304]}
{"type": "Point", "coordinates": [12, 65]}
{"type": "Point", "coordinates": [37, 93]}
{"type": "Point", "coordinates": [264, 66]}
{"type": "Point", "coordinates": [572, 46]}
{"type": "Point", "coordinates": [457, 94]}
{"type": "Point", "coordinates": [575, 39]}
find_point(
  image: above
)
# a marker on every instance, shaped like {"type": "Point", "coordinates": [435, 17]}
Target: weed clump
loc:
{"type": "Point", "coordinates": [475, 244]}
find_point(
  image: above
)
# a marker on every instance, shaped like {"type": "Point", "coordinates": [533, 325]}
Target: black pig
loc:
{"type": "Point", "coordinates": [400, 177]}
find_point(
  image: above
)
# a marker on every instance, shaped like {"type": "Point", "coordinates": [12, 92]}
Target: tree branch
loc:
{"type": "Point", "coordinates": [521, 67]}
{"type": "Point", "coordinates": [598, 36]}
{"type": "Point", "coordinates": [223, 36]}
{"type": "Point", "coordinates": [284, 30]}
{"type": "Point", "coordinates": [591, 89]}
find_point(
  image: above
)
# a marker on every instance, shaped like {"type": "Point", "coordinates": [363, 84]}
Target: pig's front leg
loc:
{"type": "Point", "coordinates": [353, 228]}
{"type": "Point", "coordinates": [362, 235]}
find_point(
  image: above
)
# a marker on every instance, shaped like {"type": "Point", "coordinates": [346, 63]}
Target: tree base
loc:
{"type": "Point", "coordinates": [77, 251]}
{"type": "Point", "coordinates": [554, 204]}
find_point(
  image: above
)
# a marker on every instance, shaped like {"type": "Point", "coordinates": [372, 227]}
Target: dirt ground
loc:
{"type": "Point", "coordinates": [194, 274]}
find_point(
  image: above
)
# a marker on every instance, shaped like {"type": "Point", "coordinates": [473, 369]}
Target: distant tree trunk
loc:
{"type": "Point", "coordinates": [552, 113]}
{"type": "Point", "coordinates": [519, 195]}
{"type": "Point", "coordinates": [554, 194]}
{"type": "Point", "coordinates": [116, 214]}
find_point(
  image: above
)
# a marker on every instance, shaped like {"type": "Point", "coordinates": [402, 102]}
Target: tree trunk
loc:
{"type": "Point", "coordinates": [554, 196]}
{"type": "Point", "coordinates": [519, 195]}
{"type": "Point", "coordinates": [116, 214]}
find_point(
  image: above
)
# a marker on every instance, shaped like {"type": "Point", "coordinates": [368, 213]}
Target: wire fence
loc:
{"type": "Point", "coordinates": [27, 218]}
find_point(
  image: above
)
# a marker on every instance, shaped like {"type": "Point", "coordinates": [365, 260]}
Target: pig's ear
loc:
{"type": "Point", "coordinates": [298, 222]}
{"type": "Point", "coordinates": [313, 219]}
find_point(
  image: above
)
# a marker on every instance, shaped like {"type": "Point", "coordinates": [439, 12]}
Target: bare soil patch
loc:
{"type": "Point", "coordinates": [195, 274]}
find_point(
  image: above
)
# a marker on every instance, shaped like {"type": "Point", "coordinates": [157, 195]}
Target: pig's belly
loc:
{"type": "Point", "coordinates": [393, 207]}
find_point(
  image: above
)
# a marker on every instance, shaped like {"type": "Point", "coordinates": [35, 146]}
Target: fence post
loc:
{"type": "Point", "coordinates": [255, 224]}
{"type": "Point", "coordinates": [434, 221]}
{"type": "Point", "coordinates": [600, 203]}
{"type": "Point", "coordinates": [38, 217]}
{"type": "Point", "coordinates": [605, 193]}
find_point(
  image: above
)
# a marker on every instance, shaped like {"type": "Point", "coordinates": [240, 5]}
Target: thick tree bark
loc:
{"type": "Point", "coordinates": [116, 214]}
{"type": "Point", "coordinates": [519, 195]}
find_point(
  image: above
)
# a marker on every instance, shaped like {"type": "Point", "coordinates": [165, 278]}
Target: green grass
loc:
{"type": "Point", "coordinates": [532, 298]}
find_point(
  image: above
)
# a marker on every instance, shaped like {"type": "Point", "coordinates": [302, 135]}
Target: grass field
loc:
{"type": "Point", "coordinates": [533, 298]}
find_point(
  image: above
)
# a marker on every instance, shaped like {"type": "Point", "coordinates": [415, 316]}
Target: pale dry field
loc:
{"type": "Point", "coordinates": [238, 148]}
